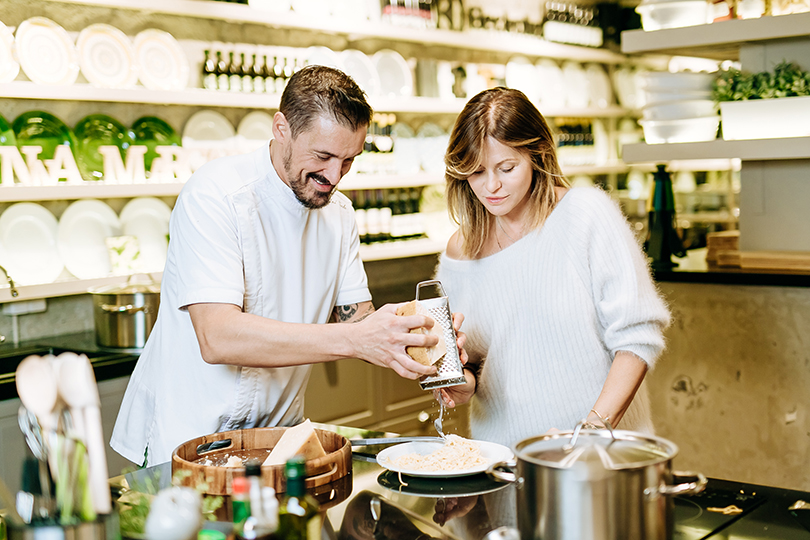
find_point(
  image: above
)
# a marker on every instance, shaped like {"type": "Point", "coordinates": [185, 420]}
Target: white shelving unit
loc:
{"type": "Point", "coordinates": [754, 150]}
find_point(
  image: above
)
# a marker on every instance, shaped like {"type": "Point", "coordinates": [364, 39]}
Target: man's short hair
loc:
{"type": "Point", "coordinates": [315, 91]}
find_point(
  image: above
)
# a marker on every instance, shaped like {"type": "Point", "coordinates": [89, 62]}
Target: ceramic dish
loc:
{"type": "Point", "coordinates": [83, 230]}
{"type": "Point", "coordinates": [106, 57]}
{"type": "Point", "coordinates": [92, 132]}
{"type": "Point", "coordinates": [576, 85]}
{"type": "Point", "coordinates": [323, 56]}
{"type": "Point", "coordinates": [9, 67]}
{"type": "Point", "coordinates": [600, 92]}
{"type": "Point", "coordinates": [360, 68]}
{"type": "Point", "coordinates": [147, 219]}
{"type": "Point", "coordinates": [524, 76]}
{"type": "Point", "coordinates": [28, 244]}
{"type": "Point", "coordinates": [207, 126]}
{"type": "Point", "coordinates": [46, 52]}
{"type": "Point", "coordinates": [151, 132]}
{"type": "Point", "coordinates": [552, 83]}
{"type": "Point", "coordinates": [38, 128]}
{"type": "Point", "coordinates": [396, 79]}
{"type": "Point", "coordinates": [492, 452]}
{"type": "Point", "coordinates": [681, 130]}
{"type": "Point", "coordinates": [257, 126]}
{"type": "Point", "coordinates": [162, 64]}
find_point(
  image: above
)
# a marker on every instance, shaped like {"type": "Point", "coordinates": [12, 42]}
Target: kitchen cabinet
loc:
{"type": "Point", "coordinates": [774, 172]}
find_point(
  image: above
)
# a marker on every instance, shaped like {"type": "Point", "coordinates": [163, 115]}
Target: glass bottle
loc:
{"type": "Point", "coordinates": [662, 237]}
{"type": "Point", "coordinates": [298, 517]}
{"type": "Point", "coordinates": [247, 74]}
{"type": "Point", "coordinates": [240, 500]}
{"type": "Point", "coordinates": [360, 216]}
{"type": "Point", "coordinates": [257, 72]}
{"type": "Point", "coordinates": [222, 72]}
{"type": "Point", "coordinates": [234, 75]}
{"type": "Point", "coordinates": [267, 74]}
{"type": "Point", "coordinates": [209, 75]}
{"type": "Point", "coordinates": [278, 75]}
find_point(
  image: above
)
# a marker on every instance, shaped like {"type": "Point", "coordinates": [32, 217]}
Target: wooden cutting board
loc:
{"type": "Point", "coordinates": [765, 260]}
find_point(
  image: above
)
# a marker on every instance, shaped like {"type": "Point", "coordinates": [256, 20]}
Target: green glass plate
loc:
{"type": "Point", "coordinates": [7, 137]}
{"type": "Point", "coordinates": [152, 131]}
{"type": "Point", "coordinates": [38, 128]}
{"type": "Point", "coordinates": [92, 132]}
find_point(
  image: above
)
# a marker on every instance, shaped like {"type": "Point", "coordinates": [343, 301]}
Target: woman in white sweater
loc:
{"type": "Point", "coordinates": [561, 314]}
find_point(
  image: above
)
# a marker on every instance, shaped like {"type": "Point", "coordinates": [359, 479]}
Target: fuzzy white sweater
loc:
{"type": "Point", "coordinates": [546, 315]}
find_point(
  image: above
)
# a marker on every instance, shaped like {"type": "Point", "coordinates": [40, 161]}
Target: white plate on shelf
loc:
{"type": "Point", "coordinates": [576, 85]}
{"type": "Point", "coordinates": [9, 67]}
{"type": "Point", "coordinates": [492, 452]}
{"type": "Point", "coordinates": [522, 75]}
{"type": "Point", "coordinates": [28, 244]}
{"type": "Point", "coordinates": [599, 87]}
{"type": "Point", "coordinates": [323, 56]}
{"type": "Point", "coordinates": [552, 84]}
{"type": "Point", "coordinates": [256, 126]}
{"type": "Point", "coordinates": [106, 57]}
{"type": "Point", "coordinates": [207, 125]}
{"type": "Point", "coordinates": [162, 64]}
{"type": "Point", "coordinates": [147, 219]}
{"type": "Point", "coordinates": [360, 68]}
{"type": "Point", "coordinates": [81, 238]}
{"type": "Point", "coordinates": [396, 79]}
{"type": "Point", "coordinates": [46, 52]}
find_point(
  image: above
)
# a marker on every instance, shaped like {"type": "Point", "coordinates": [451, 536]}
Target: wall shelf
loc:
{"type": "Point", "coordinates": [753, 150]}
{"type": "Point", "coordinates": [720, 40]}
{"type": "Point", "coordinates": [87, 190]}
{"type": "Point", "coordinates": [357, 30]}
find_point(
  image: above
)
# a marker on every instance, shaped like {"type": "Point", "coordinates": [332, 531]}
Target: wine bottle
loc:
{"type": "Point", "coordinates": [385, 215]}
{"type": "Point", "coordinates": [247, 74]}
{"type": "Point", "coordinates": [222, 72]}
{"type": "Point", "coordinates": [662, 237]}
{"type": "Point", "coordinates": [298, 517]}
{"type": "Point", "coordinates": [278, 75]}
{"type": "Point", "coordinates": [257, 71]}
{"type": "Point", "coordinates": [373, 216]}
{"type": "Point", "coordinates": [267, 74]}
{"type": "Point", "coordinates": [234, 75]}
{"type": "Point", "coordinates": [209, 75]}
{"type": "Point", "coordinates": [360, 216]}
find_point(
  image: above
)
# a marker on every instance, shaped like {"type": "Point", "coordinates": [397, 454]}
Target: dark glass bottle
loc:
{"type": "Point", "coordinates": [247, 74]}
{"type": "Point", "coordinates": [257, 71]}
{"type": "Point", "coordinates": [267, 73]}
{"type": "Point", "coordinates": [298, 516]}
{"type": "Point", "coordinates": [209, 75]}
{"type": "Point", "coordinates": [222, 72]}
{"type": "Point", "coordinates": [234, 75]}
{"type": "Point", "coordinates": [662, 237]}
{"type": "Point", "coordinates": [278, 74]}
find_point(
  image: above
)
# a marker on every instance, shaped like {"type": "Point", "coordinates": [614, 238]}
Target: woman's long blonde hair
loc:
{"type": "Point", "coordinates": [510, 118]}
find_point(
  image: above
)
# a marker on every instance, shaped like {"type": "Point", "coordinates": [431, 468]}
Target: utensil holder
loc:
{"type": "Point", "coordinates": [449, 370]}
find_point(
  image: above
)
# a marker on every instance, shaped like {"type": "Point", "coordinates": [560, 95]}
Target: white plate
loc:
{"type": "Point", "coordinates": [147, 219]}
{"type": "Point", "coordinates": [522, 75]}
{"type": "Point", "coordinates": [9, 67]}
{"type": "Point", "coordinates": [256, 126]}
{"type": "Point", "coordinates": [28, 244]}
{"type": "Point", "coordinates": [106, 57]}
{"type": "Point", "coordinates": [81, 238]}
{"type": "Point", "coordinates": [360, 68]}
{"type": "Point", "coordinates": [576, 85]}
{"type": "Point", "coordinates": [396, 79]}
{"type": "Point", "coordinates": [492, 452]}
{"type": "Point", "coordinates": [47, 54]}
{"type": "Point", "coordinates": [323, 56]}
{"type": "Point", "coordinates": [207, 126]}
{"type": "Point", "coordinates": [552, 84]}
{"type": "Point", "coordinates": [162, 64]}
{"type": "Point", "coordinates": [599, 88]}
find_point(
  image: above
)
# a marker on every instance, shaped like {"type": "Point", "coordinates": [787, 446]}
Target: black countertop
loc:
{"type": "Point", "coordinates": [694, 269]}
{"type": "Point", "coordinates": [107, 363]}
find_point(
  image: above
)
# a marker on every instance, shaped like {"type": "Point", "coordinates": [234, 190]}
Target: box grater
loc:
{"type": "Point", "coordinates": [449, 371]}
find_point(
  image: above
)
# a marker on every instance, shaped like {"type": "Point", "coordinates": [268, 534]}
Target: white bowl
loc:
{"type": "Point", "coordinates": [654, 97]}
{"type": "Point", "coordinates": [683, 80]}
{"type": "Point", "coordinates": [660, 15]}
{"type": "Point", "coordinates": [674, 110]}
{"type": "Point", "coordinates": [682, 130]}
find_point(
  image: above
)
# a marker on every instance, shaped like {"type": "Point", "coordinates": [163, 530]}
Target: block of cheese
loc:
{"type": "Point", "coordinates": [300, 439]}
{"type": "Point", "coordinates": [424, 355]}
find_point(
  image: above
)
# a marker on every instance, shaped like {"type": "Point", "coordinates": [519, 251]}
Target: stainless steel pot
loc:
{"type": "Point", "coordinates": [125, 314]}
{"type": "Point", "coordinates": [595, 485]}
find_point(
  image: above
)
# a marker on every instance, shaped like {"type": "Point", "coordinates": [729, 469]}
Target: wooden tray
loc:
{"type": "Point", "coordinates": [336, 464]}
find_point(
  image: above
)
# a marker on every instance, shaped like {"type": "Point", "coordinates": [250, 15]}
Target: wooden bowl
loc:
{"type": "Point", "coordinates": [255, 442]}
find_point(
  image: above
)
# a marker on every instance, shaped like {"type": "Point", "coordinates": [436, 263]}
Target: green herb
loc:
{"type": "Point", "coordinates": [786, 80]}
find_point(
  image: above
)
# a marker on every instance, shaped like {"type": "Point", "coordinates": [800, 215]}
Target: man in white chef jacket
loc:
{"type": "Point", "coordinates": [263, 252]}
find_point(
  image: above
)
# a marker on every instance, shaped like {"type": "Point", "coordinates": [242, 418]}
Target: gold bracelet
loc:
{"type": "Point", "coordinates": [602, 418]}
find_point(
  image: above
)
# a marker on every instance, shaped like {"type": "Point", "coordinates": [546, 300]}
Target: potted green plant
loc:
{"type": "Point", "coordinates": [764, 105]}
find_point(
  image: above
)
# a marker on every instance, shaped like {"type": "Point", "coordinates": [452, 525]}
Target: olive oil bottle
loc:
{"type": "Point", "coordinates": [298, 516]}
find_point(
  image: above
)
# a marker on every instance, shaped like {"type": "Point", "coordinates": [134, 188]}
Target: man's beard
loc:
{"type": "Point", "coordinates": [314, 200]}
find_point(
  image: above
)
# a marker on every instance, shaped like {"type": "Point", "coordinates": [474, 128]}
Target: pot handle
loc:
{"type": "Point", "coordinates": [507, 477]}
{"type": "Point", "coordinates": [689, 488]}
{"type": "Point", "coordinates": [129, 308]}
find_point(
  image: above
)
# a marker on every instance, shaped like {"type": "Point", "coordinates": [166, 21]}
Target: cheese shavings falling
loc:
{"type": "Point", "coordinates": [457, 454]}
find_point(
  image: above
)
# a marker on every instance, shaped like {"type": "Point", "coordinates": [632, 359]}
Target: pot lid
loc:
{"type": "Point", "coordinates": [135, 284]}
{"type": "Point", "coordinates": [611, 450]}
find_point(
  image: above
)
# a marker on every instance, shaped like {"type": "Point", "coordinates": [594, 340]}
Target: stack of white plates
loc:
{"type": "Point", "coordinates": [678, 107]}
{"type": "Point", "coordinates": [28, 246]}
{"type": "Point", "coordinates": [660, 14]}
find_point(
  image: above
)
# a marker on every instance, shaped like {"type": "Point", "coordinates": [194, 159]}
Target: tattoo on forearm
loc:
{"type": "Point", "coordinates": [351, 313]}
